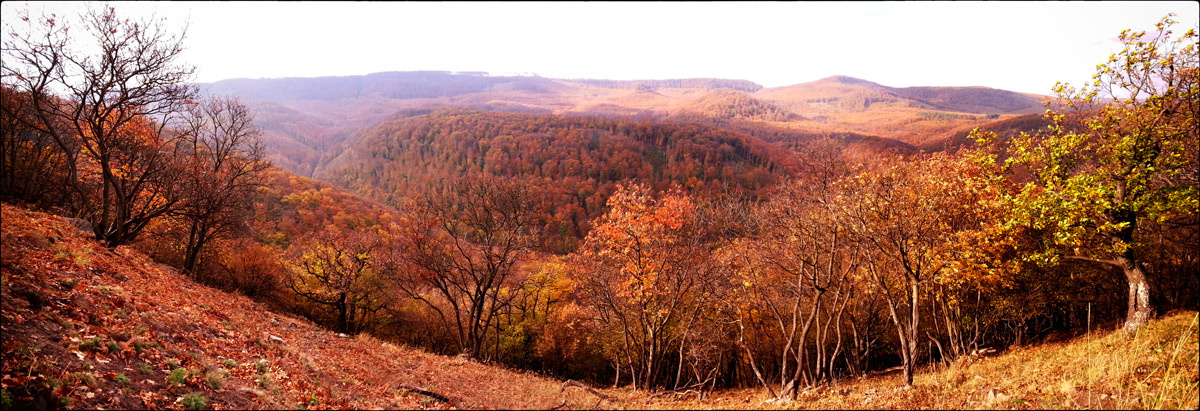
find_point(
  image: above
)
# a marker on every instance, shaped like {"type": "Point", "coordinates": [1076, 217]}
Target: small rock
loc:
{"type": "Point", "coordinates": [276, 338]}
{"type": "Point", "coordinates": [868, 400]}
{"type": "Point", "coordinates": [995, 396]}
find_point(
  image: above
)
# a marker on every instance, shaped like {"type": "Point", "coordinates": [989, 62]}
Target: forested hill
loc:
{"type": "Point", "coordinates": [304, 118]}
{"type": "Point", "coordinates": [579, 160]}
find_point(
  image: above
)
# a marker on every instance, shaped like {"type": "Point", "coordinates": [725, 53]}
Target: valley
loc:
{"type": "Point", "coordinates": [473, 240]}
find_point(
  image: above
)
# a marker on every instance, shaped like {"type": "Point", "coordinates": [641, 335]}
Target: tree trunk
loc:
{"type": "Point", "coordinates": [341, 309]}
{"type": "Point", "coordinates": [617, 379]}
{"type": "Point", "coordinates": [911, 347]}
{"type": "Point", "coordinates": [1140, 310]}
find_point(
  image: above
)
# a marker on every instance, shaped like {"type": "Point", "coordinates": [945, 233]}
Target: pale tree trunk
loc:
{"type": "Point", "coordinates": [1140, 310]}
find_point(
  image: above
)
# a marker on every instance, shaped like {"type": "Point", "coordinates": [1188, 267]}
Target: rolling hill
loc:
{"type": "Point", "coordinates": [914, 115]}
{"type": "Point", "coordinates": [304, 119]}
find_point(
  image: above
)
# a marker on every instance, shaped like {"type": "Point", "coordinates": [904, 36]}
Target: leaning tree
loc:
{"type": "Point", "coordinates": [1089, 191]}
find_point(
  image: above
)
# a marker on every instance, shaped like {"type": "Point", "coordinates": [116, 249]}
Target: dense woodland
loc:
{"type": "Point", "coordinates": [575, 161]}
{"type": "Point", "coordinates": [665, 254]}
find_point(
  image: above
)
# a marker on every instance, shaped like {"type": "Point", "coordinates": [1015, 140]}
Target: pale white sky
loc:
{"type": "Point", "coordinates": [1022, 47]}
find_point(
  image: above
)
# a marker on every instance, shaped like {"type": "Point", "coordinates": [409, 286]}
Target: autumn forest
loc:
{"type": "Point", "coordinates": [678, 239]}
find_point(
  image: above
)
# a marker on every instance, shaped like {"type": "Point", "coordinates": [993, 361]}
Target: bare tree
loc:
{"type": "Point", "coordinates": [463, 249]}
{"type": "Point", "coordinates": [798, 268]}
{"type": "Point", "coordinates": [222, 155]}
{"type": "Point", "coordinates": [106, 111]}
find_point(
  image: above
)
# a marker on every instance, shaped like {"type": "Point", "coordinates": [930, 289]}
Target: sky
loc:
{"type": "Point", "coordinates": [1017, 46]}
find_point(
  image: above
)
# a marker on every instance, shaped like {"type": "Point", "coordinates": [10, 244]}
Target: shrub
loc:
{"type": "Point", "coordinates": [263, 381]}
{"type": "Point", "coordinates": [92, 344]}
{"type": "Point", "coordinates": [85, 378]}
{"type": "Point", "coordinates": [194, 401]}
{"type": "Point", "coordinates": [215, 380]}
{"type": "Point", "coordinates": [178, 376]}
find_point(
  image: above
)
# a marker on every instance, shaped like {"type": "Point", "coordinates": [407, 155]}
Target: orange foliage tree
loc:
{"type": "Point", "coordinates": [647, 271]}
{"type": "Point", "coordinates": [918, 220]}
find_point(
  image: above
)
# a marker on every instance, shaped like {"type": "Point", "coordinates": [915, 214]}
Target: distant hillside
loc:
{"type": "Point", "coordinates": [842, 93]}
{"type": "Point", "coordinates": [1005, 129]}
{"type": "Point", "coordinates": [305, 118]}
{"type": "Point", "coordinates": [730, 104]}
{"type": "Point", "coordinates": [976, 100]}
{"type": "Point", "coordinates": [579, 158]}
{"type": "Point", "coordinates": [91, 328]}
{"type": "Point", "coordinates": [392, 85]}
{"type": "Point", "coordinates": [698, 83]}
{"type": "Point", "coordinates": [914, 115]}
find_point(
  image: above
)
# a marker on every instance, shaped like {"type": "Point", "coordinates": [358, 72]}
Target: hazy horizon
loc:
{"type": "Point", "coordinates": [1017, 46]}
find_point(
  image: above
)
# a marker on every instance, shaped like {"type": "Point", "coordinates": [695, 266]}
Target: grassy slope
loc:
{"type": "Point", "coordinates": [104, 329]}
{"type": "Point", "coordinates": [1154, 369]}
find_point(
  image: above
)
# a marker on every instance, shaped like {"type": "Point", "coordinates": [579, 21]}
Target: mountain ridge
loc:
{"type": "Point", "coordinates": [332, 108]}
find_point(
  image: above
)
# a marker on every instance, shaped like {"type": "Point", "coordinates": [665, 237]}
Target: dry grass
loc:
{"type": "Point", "coordinates": [1154, 369]}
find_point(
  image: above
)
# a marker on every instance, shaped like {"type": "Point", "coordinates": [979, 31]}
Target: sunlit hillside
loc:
{"type": "Point", "coordinates": [303, 117]}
